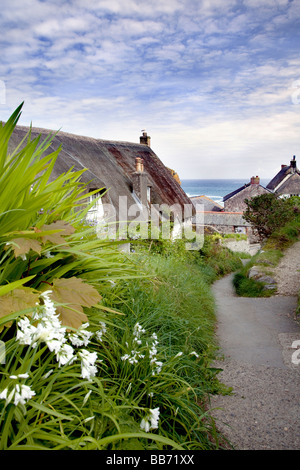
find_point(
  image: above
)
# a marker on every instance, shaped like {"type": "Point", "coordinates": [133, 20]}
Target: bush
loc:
{"type": "Point", "coordinates": [267, 213]}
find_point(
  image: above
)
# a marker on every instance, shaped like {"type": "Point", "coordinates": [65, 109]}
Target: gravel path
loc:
{"type": "Point", "coordinates": [256, 337]}
{"type": "Point", "coordinates": [287, 273]}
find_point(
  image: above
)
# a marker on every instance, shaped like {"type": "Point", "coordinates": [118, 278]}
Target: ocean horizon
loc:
{"type": "Point", "coordinates": [215, 189]}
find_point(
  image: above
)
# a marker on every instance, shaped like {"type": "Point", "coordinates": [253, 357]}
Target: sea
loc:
{"type": "Point", "coordinates": [215, 189]}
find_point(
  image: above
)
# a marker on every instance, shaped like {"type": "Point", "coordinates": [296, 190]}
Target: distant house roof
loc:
{"type": "Point", "coordinates": [287, 180]}
{"type": "Point", "coordinates": [290, 186]}
{"type": "Point", "coordinates": [236, 191]}
{"type": "Point", "coordinates": [209, 204]}
{"type": "Point", "coordinates": [253, 184]}
{"type": "Point", "coordinates": [110, 165]}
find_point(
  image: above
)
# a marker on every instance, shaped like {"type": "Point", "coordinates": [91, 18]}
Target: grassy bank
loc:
{"type": "Point", "coordinates": [175, 303]}
{"type": "Point", "coordinates": [98, 349]}
{"type": "Point", "coordinates": [175, 300]}
{"type": "Point", "coordinates": [267, 259]}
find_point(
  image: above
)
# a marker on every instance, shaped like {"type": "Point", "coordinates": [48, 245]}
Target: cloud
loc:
{"type": "Point", "coordinates": [204, 77]}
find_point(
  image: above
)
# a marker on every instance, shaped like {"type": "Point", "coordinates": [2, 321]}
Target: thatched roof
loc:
{"type": "Point", "coordinates": [291, 185]}
{"type": "Point", "coordinates": [110, 165]}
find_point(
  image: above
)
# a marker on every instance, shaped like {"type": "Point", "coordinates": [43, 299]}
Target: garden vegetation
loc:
{"type": "Point", "coordinates": [277, 223]}
{"type": "Point", "coordinates": [99, 349]}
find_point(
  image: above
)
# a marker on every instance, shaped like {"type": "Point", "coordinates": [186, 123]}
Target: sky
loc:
{"type": "Point", "coordinates": [215, 83]}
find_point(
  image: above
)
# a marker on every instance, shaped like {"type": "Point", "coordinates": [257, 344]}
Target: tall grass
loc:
{"type": "Point", "coordinates": [101, 351]}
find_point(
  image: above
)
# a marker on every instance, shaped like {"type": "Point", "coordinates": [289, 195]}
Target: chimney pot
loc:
{"type": "Point", "coordinates": [254, 180]}
{"type": "Point", "coordinates": [137, 164]}
{"type": "Point", "coordinates": [145, 139]}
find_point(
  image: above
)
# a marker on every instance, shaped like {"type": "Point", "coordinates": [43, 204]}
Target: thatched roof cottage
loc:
{"type": "Point", "coordinates": [120, 169]}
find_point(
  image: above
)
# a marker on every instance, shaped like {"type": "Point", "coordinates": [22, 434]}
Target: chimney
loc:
{"type": "Point", "coordinates": [283, 166]}
{"type": "Point", "coordinates": [145, 139]}
{"type": "Point", "coordinates": [254, 180]}
{"type": "Point", "coordinates": [293, 163]}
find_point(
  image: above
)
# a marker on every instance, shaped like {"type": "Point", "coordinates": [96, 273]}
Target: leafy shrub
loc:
{"type": "Point", "coordinates": [268, 212]}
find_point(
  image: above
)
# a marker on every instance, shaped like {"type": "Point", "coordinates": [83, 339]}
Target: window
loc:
{"type": "Point", "coordinates": [96, 212]}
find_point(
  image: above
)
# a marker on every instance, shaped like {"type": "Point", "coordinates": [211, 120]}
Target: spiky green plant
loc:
{"type": "Point", "coordinates": [44, 242]}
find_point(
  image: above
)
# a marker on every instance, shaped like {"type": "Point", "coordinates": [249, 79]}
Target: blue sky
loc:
{"type": "Point", "coordinates": [215, 83]}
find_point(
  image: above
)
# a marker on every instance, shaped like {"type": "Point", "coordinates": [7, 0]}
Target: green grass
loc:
{"type": "Point", "coordinates": [176, 301]}
{"type": "Point", "coordinates": [246, 287]}
{"type": "Point", "coordinates": [102, 401]}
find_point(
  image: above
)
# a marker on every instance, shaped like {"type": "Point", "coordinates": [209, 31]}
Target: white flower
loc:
{"type": "Point", "coordinates": [19, 376]}
{"type": "Point", "coordinates": [87, 396]}
{"type": "Point", "coordinates": [20, 393]}
{"type": "Point", "coordinates": [48, 329]}
{"type": "Point", "coordinates": [65, 355]}
{"type": "Point", "coordinates": [48, 374]}
{"type": "Point", "coordinates": [145, 425]}
{"type": "Point", "coordinates": [158, 365]}
{"type": "Point", "coordinates": [81, 337]}
{"type": "Point", "coordinates": [3, 394]}
{"type": "Point", "coordinates": [125, 357]}
{"type": "Point", "coordinates": [101, 332]}
{"type": "Point", "coordinates": [48, 303]}
{"type": "Point", "coordinates": [88, 368]}
{"type": "Point", "coordinates": [23, 393]}
{"type": "Point", "coordinates": [133, 358]}
{"type": "Point", "coordinates": [55, 345]}
{"type": "Point", "coordinates": [193, 353]}
{"type": "Point", "coordinates": [179, 354]}
{"type": "Point", "coordinates": [154, 418]}
{"type": "Point", "coordinates": [152, 354]}
{"type": "Point", "coordinates": [150, 421]}
{"type": "Point", "coordinates": [138, 330]}
{"type": "Point", "coordinates": [25, 331]}
{"type": "Point", "coordinates": [86, 420]}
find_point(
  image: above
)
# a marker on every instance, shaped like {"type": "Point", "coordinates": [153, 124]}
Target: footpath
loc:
{"type": "Point", "coordinates": [257, 359]}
